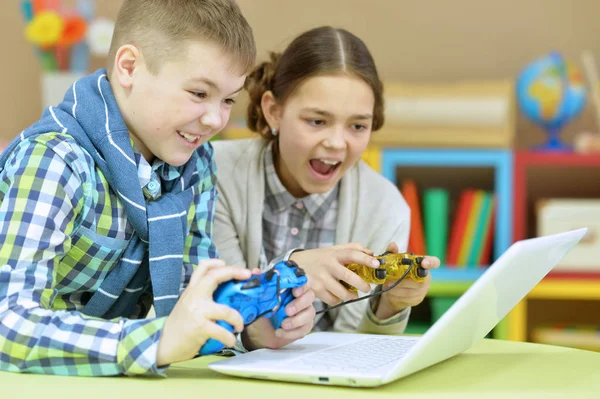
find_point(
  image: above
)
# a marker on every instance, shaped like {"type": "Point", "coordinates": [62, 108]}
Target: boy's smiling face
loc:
{"type": "Point", "coordinates": [174, 111]}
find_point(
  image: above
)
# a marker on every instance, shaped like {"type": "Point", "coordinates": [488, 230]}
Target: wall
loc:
{"type": "Point", "coordinates": [410, 40]}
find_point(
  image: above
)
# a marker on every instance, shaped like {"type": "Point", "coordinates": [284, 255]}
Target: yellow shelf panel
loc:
{"type": "Point", "coordinates": [517, 322]}
{"type": "Point", "coordinates": [372, 156]}
{"type": "Point", "coordinates": [566, 289]}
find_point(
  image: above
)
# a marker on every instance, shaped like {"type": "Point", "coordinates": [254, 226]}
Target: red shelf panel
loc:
{"type": "Point", "coordinates": [525, 159]}
{"type": "Point", "coordinates": [557, 159]}
{"type": "Point", "coordinates": [566, 275]}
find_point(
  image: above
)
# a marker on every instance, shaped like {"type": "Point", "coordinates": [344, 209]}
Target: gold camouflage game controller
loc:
{"type": "Point", "coordinates": [391, 267]}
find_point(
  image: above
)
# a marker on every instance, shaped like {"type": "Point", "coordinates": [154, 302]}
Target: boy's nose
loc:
{"type": "Point", "coordinates": [211, 118]}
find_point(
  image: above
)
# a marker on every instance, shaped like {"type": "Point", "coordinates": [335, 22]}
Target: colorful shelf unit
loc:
{"type": "Point", "coordinates": [500, 160]}
{"type": "Point", "coordinates": [512, 178]}
{"type": "Point", "coordinates": [448, 282]}
{"type": "Point", "coordinates": [529, 168]}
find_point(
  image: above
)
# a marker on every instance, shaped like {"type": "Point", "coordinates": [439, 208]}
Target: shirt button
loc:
{"type": "Point", "coordinates": [299, 205]}
{"type": "Point", "coordinates": [294, 231]}
{"type": "Point", "coordinates": [152, 186]}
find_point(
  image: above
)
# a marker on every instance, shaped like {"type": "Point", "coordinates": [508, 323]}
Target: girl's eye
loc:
{"type": "Point", "coordinates": [229, 101]}
{"type": "Point", "coordinates": [316, 122]}
{"type": "Point", "coordinates": [359, 127]}
{"type": "Point", "coordinates": [199, 94]}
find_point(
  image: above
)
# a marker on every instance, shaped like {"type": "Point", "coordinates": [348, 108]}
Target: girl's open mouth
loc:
{"type": "Point", "coordinates": [323, 168]}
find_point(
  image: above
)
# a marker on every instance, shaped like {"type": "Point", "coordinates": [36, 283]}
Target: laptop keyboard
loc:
{"type": "Point", "coordinates": [363, 355]}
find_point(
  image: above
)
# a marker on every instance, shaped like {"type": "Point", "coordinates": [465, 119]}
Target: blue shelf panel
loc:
{"type": "Point", "coordinates": [444, 157]}
{"type": "Point", "coordinates": [456, 275]}
{"type": "Point", "coordinates": [500, 160]}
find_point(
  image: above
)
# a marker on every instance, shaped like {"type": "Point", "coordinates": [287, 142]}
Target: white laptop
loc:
{"type": "Point", "coordinates": [372, 360]}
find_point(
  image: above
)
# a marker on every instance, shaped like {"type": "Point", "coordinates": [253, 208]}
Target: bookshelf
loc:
{"type": "Point", "coordinates": [546, 175]}
{"type": "Point", "coordinates": [517, 178]}
{"type": "Point", "coordinates": [440, 166]}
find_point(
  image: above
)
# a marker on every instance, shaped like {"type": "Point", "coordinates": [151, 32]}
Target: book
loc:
{"type": "Point", "coordinates": [435, 215]}
{"type": "Point", "coordinates": [458, 227]}
{"type": "Point", "coordinates": [416, 239]}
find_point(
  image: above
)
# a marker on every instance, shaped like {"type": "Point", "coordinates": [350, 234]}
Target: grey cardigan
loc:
{"type": "Point", "coordinates": [371, 211]}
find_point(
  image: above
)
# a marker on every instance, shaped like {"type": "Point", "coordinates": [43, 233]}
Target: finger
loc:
{"type": "Point", "coordinates": [299, 304]}
{"type": "Point", "coordinates": [211, 263]}
{"type": "Point", "coordinates": [298, 291]}
{"type": "Point", "coordinates": [430, 262]}
{"type": "Point", "coordinates": [408, 283]}
{"type": "Point", "coordinates": [215, 331]}
{"type": "Point", "coordinates": [215, 312]}
{"type": "Point", "coordinates": [256, 271]}
{"type": "Point", "coordinates": [338, 290]}
{"type": "Point", "coordinates": [353, 246]}
{"type": "Point", "coordinates": [392, 247]}
{"type": "Point", "coordinates": [344, 274]}
{"type": "Point", "coordinates": [203, 267]}
{"type": "Point", "coordinates": [328, 298]}
{"type": "Point", "coordinates": [304, 318]}
{"type": "Point", "coordinates": [358, 246]}
{"type": "Point", "coordinates": [207, 284]}
{"type": "Point", "coordinates": [354, 256]}
{"type": "Point", "coordinates": [286, 336]}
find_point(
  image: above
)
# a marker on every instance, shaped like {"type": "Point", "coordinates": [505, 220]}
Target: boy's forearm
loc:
{"type": "Point", "coordinates": [68, 343]}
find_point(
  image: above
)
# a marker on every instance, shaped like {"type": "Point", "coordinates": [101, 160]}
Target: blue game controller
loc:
{"type": "Point", "coordinates": [262, 295]}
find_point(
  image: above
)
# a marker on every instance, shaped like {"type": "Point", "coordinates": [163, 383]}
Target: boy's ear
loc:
{"type": "Point", "coordinates": [127, 59]}
{"type": "Point", "coordinates": [271, 110]}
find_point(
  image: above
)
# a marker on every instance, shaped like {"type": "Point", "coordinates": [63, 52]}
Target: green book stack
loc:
{"type": "Point", "coordinates": [435, 215]}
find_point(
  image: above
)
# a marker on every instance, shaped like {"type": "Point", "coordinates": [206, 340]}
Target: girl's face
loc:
{"type": "Point", "coordinates": [324, 127]}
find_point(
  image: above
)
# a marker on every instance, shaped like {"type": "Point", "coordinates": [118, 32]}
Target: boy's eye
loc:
{"type": "Point", "coordinates": [199, 94]}
{"type": "Point", "coordinates": [315, 122]}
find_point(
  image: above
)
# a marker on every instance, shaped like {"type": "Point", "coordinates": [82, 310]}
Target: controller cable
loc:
{"type": "Point", "coordinates": [326, 309]}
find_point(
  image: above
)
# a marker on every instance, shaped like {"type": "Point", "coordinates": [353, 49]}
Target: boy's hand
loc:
{"type": "Point", "coordinates": [193, 319]}
{"type": "Point", "coordinates": [300, 321]}
{"type": "Point", "coordinates": [325, 268]}
{"type": "Point", "coordinates": [408, 292]}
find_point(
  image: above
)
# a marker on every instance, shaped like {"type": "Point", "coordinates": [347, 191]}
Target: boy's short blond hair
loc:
{"type": "Point", "coordinates": [162, 28]}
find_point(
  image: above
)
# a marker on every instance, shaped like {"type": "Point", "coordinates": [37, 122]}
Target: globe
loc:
{"type": "Point", "coordinates": [551, 92]}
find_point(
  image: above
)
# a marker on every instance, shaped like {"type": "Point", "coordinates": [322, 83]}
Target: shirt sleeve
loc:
{"type": "Point", "coordinates": [41, 198]}
{"type": "Point", "coordinates": [199, 242]}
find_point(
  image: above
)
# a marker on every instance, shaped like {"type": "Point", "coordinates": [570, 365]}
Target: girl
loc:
{"type": "Point", "coordinates": [301, 192]}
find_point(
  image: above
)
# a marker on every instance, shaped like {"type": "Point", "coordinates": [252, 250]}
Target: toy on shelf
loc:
{"type": "Point", "coordinates": [65, 37]}
{"type": "Point", "coordinates": [264, 295]}
{"type": "Point", "coordinates": [551, 92]}
{"type": "Point", "coordinates": [392, 267]}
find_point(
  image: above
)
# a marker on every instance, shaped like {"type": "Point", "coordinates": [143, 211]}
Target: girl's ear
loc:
{"type": "Point", "coordinates": [271, 110]}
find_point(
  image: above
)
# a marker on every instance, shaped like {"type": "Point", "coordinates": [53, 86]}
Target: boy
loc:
{"type": "Point", "coordinates": [107, 202]}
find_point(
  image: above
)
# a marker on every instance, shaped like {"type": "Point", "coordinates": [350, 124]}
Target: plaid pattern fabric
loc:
{"type": "Point", "coordinates": [307, 223]}
{"type": "Point", "coordinates": [288, 223]}
{"type": "Point", "coordinates": [63, 229]}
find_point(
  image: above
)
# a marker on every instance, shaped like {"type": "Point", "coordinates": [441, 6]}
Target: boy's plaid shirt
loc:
{"type": "Point", "coordinates": [62, 230]}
